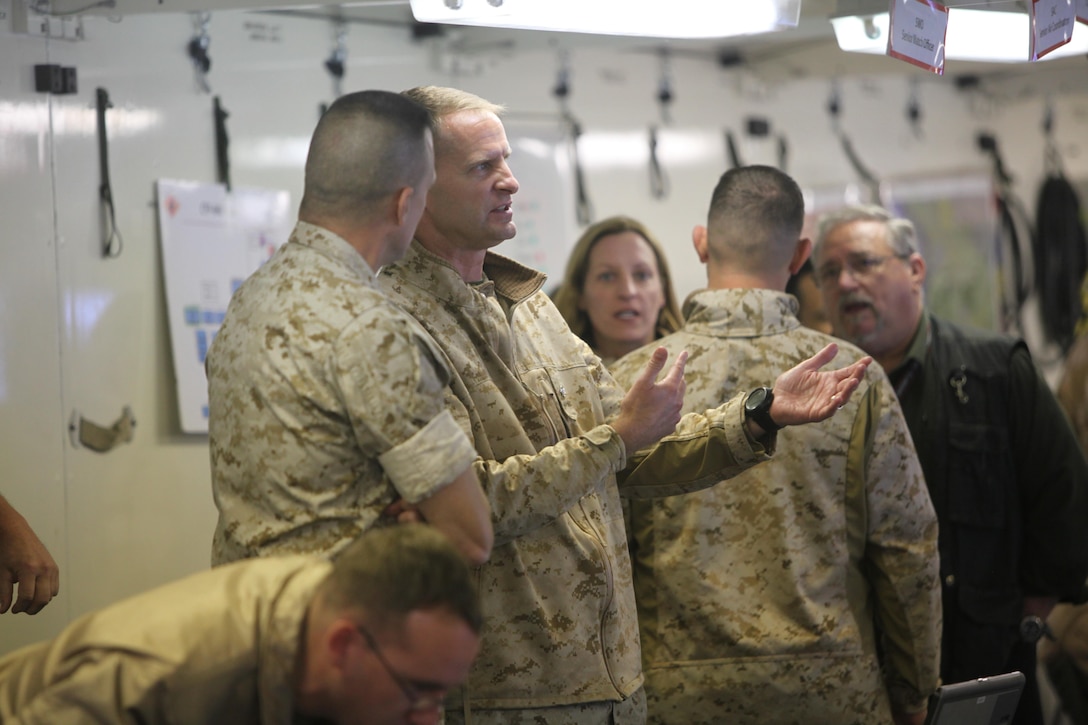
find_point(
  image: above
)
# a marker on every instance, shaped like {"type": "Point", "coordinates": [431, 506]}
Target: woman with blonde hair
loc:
{"type": "Point", "coordinates": [617, 294]}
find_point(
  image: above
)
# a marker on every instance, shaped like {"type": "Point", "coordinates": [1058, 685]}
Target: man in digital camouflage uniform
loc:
{"type": "Point", "coordinates": [553, 431]}
{"type": "Point", "coordinates": [325, 400]}
{"type": "Point", "coordinates": [804, 590]}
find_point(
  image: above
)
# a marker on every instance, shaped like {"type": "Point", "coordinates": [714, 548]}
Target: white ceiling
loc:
{"type": "Point", "coordinates": [807, 51]}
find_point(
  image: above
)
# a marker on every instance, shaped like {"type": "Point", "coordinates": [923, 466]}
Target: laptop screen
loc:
{"type": "Point", "coordinates": [985, 701]}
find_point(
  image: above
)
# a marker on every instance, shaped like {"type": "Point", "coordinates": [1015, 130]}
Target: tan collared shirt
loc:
{"type": "Point", "coordinates": [216, 647]}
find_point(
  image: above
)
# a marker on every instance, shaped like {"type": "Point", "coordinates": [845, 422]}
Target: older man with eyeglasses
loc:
{"type": "Point", "coordinates": [1005, 472]}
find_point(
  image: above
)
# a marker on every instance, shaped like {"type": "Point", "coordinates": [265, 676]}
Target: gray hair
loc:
{"type": "Point", "coordinates": [901, 234]}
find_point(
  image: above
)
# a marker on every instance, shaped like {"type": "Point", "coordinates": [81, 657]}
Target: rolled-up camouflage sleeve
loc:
{"type": "Point", "coordinates": [899, 536]}
{"type": "Point", "coordinates": [393, 381]}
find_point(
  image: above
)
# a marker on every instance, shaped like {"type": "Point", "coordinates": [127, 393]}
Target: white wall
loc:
{"type": "Point", "coordinates": [79, 332]}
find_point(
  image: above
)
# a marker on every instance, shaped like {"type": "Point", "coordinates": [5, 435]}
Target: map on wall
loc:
{"type": "Point", "coordinates": [956, 226]}
{"type": "Point", "coordinates": [956, 223]}
{"type": "Point", "coordinates": [211, 241]}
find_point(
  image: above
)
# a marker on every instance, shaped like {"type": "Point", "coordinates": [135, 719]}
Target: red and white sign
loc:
{"type": "Point", "coordinates": [1052, 24]}
{"type": "Point", "coordinates": [917, 33]}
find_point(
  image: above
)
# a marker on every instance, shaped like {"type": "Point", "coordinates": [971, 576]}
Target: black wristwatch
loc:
{"type": "Point", "coordinates": [757, 406]}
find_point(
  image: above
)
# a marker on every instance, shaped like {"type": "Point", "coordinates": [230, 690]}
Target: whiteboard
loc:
{"type": "Point", "coordinates": [211, 241]}
{"type": "Point", "coordinates": [544, 207]}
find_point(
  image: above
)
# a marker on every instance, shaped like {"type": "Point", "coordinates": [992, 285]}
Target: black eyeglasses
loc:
{"type": "Point", "coordinates": [861, 267]}
{"type": "Point", "coordinates": [419, 701]}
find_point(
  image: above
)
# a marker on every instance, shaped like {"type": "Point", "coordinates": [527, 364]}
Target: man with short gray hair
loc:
{"type": "Point", "coordinates": [1003, 467]}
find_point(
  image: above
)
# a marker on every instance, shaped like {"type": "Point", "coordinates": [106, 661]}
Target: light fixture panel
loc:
{"type": "Point", "coordinates": [972, 35]}
{"type": "Point", "coordinates": [648, 18]}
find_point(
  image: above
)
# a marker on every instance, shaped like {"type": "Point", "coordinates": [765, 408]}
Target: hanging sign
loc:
{"type": "Point", "coordinates": [1051, 25]}
{"type": "Point", "coordinates": [917, 33]}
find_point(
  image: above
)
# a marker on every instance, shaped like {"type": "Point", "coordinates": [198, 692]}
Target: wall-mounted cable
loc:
{"type": "Point", "coordinates": [659, 183]}
{"type": "Point", "coordinates": [665, 95]}
{"type": "Point", "coordinates": [914, 110]}
{"type": "Point", "coordinates": [582, 206]}
{"type": "Point", "coordinates": [222, 143]}
{"type": "Point", "coordinates": [1014, 225]}
{"type": "Point", "coordinates": [198, 49]}
{"type": "Point", "coordinates": [111, 235]}
{"type": "Point", "coordinates": [834, 109]}
{"type": "Point", "coordinates": [336, 63]}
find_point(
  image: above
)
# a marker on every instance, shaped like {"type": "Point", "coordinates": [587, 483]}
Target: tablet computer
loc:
{"type": "Point", "coordinates": [985, 701]}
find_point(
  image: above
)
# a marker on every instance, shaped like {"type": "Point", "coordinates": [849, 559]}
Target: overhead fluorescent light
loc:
{"type": "Point", "coordinates": [972, 35]}
{"type": "Point", "coordinates": [649, 18]}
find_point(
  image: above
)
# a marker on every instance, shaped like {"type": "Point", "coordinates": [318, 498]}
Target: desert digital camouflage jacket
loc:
{"type": "Point", "coordinates": [218, 646]}
{"type": "Point", "coordinates": [325, 405]}
{"type": "Point", "coordinates": [762, 600]}
{"type": "Point", "coordinates": [560, 625]}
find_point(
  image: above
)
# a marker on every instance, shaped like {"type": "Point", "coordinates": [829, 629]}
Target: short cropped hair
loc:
{"type": "Point", "coordinates": [366, 146]}
{"type": "Point", "coordinates": [442, 101]}
{"type": "Point", "coordinates": [901, 233]}
{"type": "Point", "coordinates": [756, 216]}
{"type": "Point", "coordinates": [567, 296]}
{"type": "Point", "coordinates": [389, 572]}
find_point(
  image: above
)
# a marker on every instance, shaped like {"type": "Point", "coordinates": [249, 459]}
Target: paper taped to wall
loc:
{"type": "Point", "coordinates": [211, 241]}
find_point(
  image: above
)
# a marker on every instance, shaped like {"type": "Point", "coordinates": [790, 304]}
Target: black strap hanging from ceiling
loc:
{"type": "Point", "coordinates": [582, 206]}
{"type": "Point", "coordinates": [111, 235]}
{"type": "Point", "coordinates": [1059, 246]}
{"type": "Point", "coordinates": [336, 63]}
{"type": "Point", "coordinates": [759, 128]}
{"type": "Point", "coordinates": [867, 177]}
{"type": "Point", "coordinates": [731, 148]}
{"type": "Point", "coordinates": [222, 143]}
{"type": "Point", "coordinates": [783, 152]}
{"type": "Point", "coordinates": [198, 49]}
{"type": "Point", "coordinates": [834, 107]}
{"type": "Point", "coordinates": [914, 110]}
{"type": "Point", "coordinates": [1013, 227]}
{"type": "Point", "coordinates": [659, 182]}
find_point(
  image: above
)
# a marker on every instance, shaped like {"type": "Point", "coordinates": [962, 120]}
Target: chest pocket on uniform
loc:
{"type": "Point", "coordinates": [561, 395]}
{"type": "Point", "coordinates": [976, 485]}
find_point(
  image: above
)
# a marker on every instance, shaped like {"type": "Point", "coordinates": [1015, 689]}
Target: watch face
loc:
{"type": "Point", "coordinates": [755, 399]}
